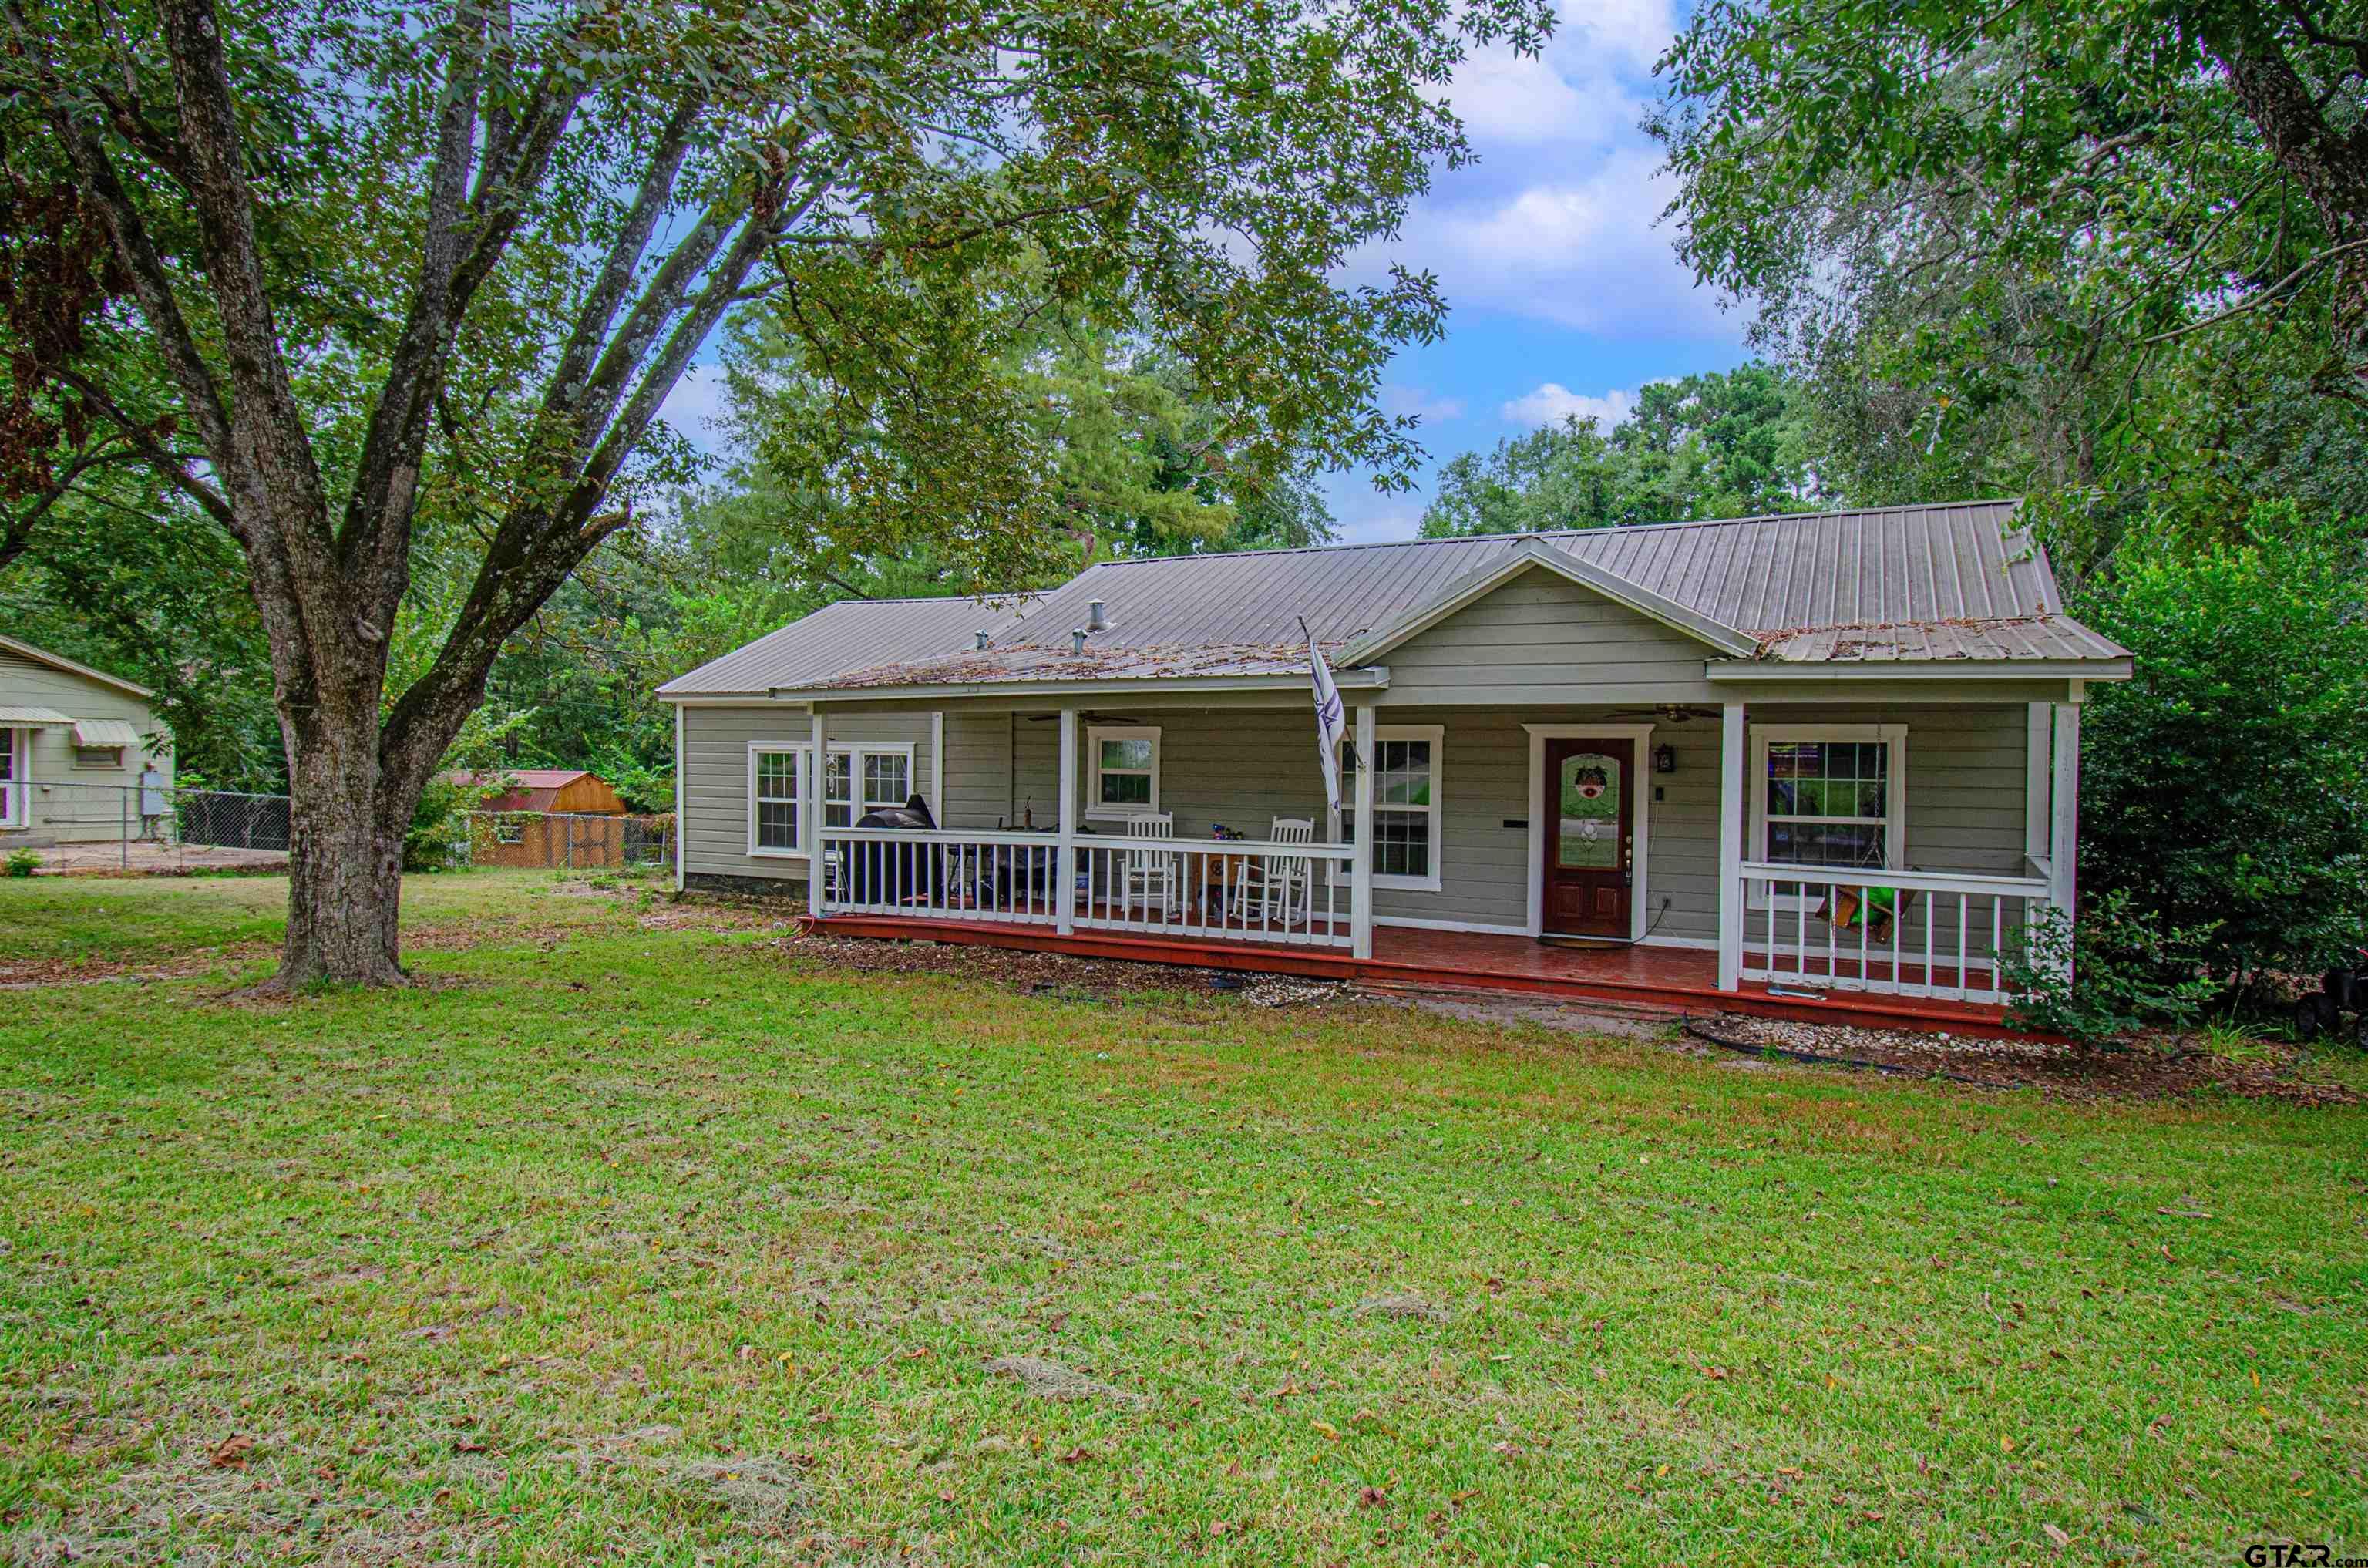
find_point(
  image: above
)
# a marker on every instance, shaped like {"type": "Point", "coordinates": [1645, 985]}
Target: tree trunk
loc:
{"type": "Point", "coordinates": [345, 856]}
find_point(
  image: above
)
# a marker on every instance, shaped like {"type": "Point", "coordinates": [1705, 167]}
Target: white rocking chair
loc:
{"type": "Point", "coordinates": [1153, 878]}
{"type": "Point", "coordinates": [1286, 882]}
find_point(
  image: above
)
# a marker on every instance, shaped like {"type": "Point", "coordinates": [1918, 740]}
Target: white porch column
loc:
{"type": "Point", "coordinates": [1361, 858]}
{"type": "Point", "coordinates": [812, 794]}
{"type": "Point", "coordinates": [1731, 759]}
{"type": "Point", "coordinates": [1064, 860]}
{"type": "Point", "coordinates": [2038, 736]}
{"type": "Point", "coordinates": [2064, 825]}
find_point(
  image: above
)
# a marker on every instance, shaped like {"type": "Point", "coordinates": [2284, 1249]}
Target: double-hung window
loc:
{"type": "Point", "coordinates": [885, 772]}
{"type": "Point", "coordinates": [773, 776]}
{"type": "Point", "coordinates": [1832, 795]}
{"type": "Point", "coordinates": [1125, 781]}
{"type": "Point", "coordinates": [1408, 766]}
{"type": "Point", "coordinates": [861, 778]}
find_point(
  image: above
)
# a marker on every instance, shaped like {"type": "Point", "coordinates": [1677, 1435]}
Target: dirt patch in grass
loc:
{"type": "Point", "coordinates": [1036, 973]}
{"type": "Point", "coordinates": [2279, 1072]}
{"type": "Point", "coordinates": [1051, 1379]}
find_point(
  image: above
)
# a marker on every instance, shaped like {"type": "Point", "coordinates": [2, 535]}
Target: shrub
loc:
{"type": "Point", "coordinates": [23, 863]}
{"type": "Point", "coordinates": [2128, 972]}
{"type": "Point", "coordinates": [2226, 784]}
{"type": "Point", "coordinates": [437, 837]}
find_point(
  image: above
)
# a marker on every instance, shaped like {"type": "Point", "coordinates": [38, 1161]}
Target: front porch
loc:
{"type": "Point", "coordinates": [1679, 899]}
{"type": "Point", "coordinates": [1675, 982]}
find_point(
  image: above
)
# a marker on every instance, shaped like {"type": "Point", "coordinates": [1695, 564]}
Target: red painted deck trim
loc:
{"type": "Point", "coordinates": [1483, 964]}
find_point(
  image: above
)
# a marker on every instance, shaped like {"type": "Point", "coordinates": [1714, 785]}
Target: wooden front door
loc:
{"type": "Point", "coordinates": [1590, 839]}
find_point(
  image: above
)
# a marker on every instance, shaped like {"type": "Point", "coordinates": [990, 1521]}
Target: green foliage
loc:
{"type": "Point", "coordinates": [1998, 242]}
{"type": "Point", "coordinates": [2128, 970]}
{"type": "Point", "coordinates": [439, 833]}
{"type": "Point", "coordinates": [21, 863]}
{"type": "Point", "coordinates": [1104, 441]}
{"type": "Point", "coordinates": [1716, 445]}
{"type": "Point", "coordinates": [2226, 785]}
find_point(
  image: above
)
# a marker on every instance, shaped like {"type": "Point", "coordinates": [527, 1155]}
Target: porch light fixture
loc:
{"type": "Point", "coordinates": [1664, 758]}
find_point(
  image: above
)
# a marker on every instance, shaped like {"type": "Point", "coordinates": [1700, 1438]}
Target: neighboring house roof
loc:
{"type": "Point", "coordinates": [1944, 582]}
{"type": "Point", "coordinates": [72, 666]}
{"type": "Point", "coordinates": [540, 789]}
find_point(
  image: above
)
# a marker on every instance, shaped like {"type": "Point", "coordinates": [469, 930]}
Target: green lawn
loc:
{"type": "Point", "coordinates": [628, 1241]}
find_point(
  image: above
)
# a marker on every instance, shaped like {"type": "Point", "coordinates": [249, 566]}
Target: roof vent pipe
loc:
{"type": "Point", "coordinates": [981, 635]}
{"type": "Point", "coordinates": [1095, 619]}
{"type": "Point", "coordinates": [1078, 640]}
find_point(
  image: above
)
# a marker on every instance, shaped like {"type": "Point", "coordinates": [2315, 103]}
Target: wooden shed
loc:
{"type": "Point", "coordinates": [548, 816]}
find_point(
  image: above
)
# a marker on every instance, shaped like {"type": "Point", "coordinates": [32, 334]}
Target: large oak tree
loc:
{"type": "Point", "coordinates": [359, 279]}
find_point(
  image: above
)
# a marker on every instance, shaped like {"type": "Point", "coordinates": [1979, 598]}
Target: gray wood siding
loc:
{"type": "Point", "coordinates": [66, 802]}
{"type": "Point", "coordinates": [978, 771]}
{"type": "Point", "coordinates": [715, 777]}
{"type": "Point", "coordinates": [1542, 639]}
{"type": "Point", "coordinates": [1245, 768]}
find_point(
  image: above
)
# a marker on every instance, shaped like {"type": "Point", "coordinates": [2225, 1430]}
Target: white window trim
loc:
{"type": "Point", "coordinates": [1437, 735]}
{"type": "Point", "coordinates": [14, 798]}
{"type": "Point", "coordinates": [1639, 853]}
{"type": "Point", "coordinates": [114, 766]}
{"type": "Point", "coordinates": [1095, 735]}
{"type": "Point", "coordinates": [797, 793]}
{"type": "Point", "coordinates": [1895, 794]}
{"type": "Point", "coordinates": [854, 750]}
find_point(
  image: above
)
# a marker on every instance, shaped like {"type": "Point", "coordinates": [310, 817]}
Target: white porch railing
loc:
{"type": "Point", "coordinates": [1217, 890]}
{"type": "Point", "coordinates": [1901, 933]}
{"type": "Point", "coordinates": [1209, 890]}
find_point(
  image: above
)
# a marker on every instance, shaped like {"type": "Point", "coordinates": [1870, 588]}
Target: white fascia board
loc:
{"type": "Point", "coordinates": [1920, 669]}
{"type": "Point", "coordinates": [1475, 586]}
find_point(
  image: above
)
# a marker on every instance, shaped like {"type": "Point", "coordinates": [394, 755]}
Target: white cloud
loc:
{"type": "Point", "coordinates": [1552, 403]}
{"type": "Point", "coordinates": [1633, 32]}
{"type": "Point", "coordinates": [1515, 100]}
{"type": "Point", "coordinates": [1585, 252]}
{"type": "Point", "coordinates": [1421, 404]}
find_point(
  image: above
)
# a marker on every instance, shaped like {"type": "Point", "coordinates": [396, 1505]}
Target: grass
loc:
{"type": "Point", "coordinates": [631, 1242]}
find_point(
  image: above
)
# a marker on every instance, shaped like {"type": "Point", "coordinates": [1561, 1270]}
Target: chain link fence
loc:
{"type": "Point", "coordinates": [567, 841]}
{"type": "Point", "coordinates": [83, 826]}
{"type": "Point", "coordinates": [89, 826]}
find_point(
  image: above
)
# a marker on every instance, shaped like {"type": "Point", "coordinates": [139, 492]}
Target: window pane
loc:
{"type": "Point", "coordinates": [886, 782]}
{"type": "Point", "coordinates": [1825, 843]}
{"type": "Point", "coordinates": [837, 776]}
{"type": "Point", "coordinates": [777, 775]}
{"type": "Point", "coordinates": [777, 824]}
{"type": "Point", "coordinates": [1588, 836]}
{"type": "Point", "coordinates": [1402, 843]}
{"type": "Point", "coordinates": [1126, 754]}
{"type": "Point", "coordinates": [1126, 788]}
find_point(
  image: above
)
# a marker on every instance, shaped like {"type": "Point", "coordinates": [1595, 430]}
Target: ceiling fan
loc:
{"type": "Point", "coordinates": [1668, 712]}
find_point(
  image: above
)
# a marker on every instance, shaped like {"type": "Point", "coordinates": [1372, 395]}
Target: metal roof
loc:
{"type": "Point", "coordinates": [848, 635]}
{"type": "Point", "coordinates": [1957, 582]}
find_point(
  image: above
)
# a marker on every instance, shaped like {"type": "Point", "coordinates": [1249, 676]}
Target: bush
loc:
{"type": "Point", "coordinates": [2226, 785]}
{"type": "Point", "coordinates": [23, 863]}
{"type": "Point", "coordinates": [2128, 972]}
{"type": "Point", "coordinates": [439, 827]}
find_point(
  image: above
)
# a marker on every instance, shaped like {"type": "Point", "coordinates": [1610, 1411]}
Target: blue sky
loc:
{"type": "Point", "coordinates": [1565, 293]}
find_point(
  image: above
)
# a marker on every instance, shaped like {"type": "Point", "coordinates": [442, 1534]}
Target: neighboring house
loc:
{"type": "Point", "coordinates": [1834, 752]}
{"type": "Point", "coordinates": [538, 819]}
{"type": "Point", "coordinates": [74, 742]}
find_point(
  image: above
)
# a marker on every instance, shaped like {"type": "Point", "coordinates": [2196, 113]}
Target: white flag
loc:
{"type": "Point", "coordinates": [1331, 720]}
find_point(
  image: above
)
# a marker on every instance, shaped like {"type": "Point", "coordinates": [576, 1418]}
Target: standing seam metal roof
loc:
{"type": "Point", "coordinates": [1955, 581]}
